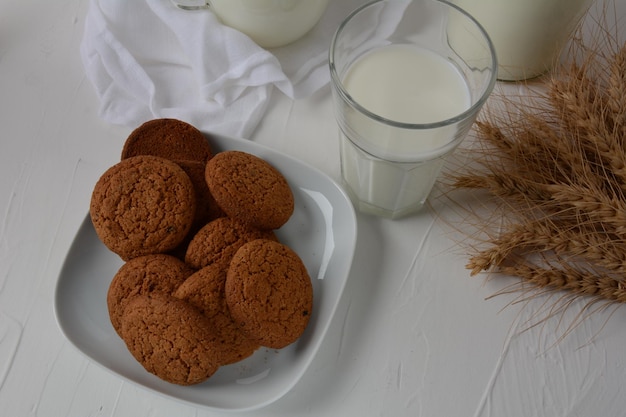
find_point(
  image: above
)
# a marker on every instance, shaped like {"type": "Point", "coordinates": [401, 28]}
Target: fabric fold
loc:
{"type": "Point", "coordinates": [149, 59]}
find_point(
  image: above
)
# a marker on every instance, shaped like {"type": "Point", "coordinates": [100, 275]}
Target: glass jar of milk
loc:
{"type": "Point", "coordinates": [527, 34]}
{"type": "Point", "coordinates": [269, 23]}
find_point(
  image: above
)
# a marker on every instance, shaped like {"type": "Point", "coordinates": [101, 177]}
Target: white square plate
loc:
{"type": "Point", "coordinates": [322, 231]}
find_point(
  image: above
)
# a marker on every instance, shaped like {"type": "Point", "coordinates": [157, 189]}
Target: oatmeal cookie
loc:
{"type": "Point", "coordinates": [269, 293]}
{"type": "Point", "coordinates": [143, 205]}
{"type": "Point", "coordinates": [248, 188]}
{"type": "Point", "coordinates": [205, 291]}
{"type": "Point", "coordinates": [170, 338]}
{"type": "Point", "coordinates": [168, 138]}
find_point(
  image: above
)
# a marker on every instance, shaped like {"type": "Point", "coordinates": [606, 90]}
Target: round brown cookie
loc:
{"type": "Point", "coordinates": [269, 293]}
{"type": "Point", "coordinates": [205, 291]}
{"type": "Point", "coordinates": [168, 138]}
{"type": "Point", "coordinates": [250, 189]}
{"type": "Point", "coordinates": [217, 242]}
{"type": "Point", "coordinates": [141, 276]}
{"type": "Point", "coordinates": [143, 205]}
{"type": "Point", "coordinates": [170, 338]}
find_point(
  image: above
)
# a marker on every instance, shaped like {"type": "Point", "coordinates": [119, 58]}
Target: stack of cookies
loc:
{"type": "Point", "coordinates": [205, 282]}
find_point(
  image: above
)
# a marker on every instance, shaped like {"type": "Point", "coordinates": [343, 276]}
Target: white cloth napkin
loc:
{"type": "Point", "coordinates": [149, 59]}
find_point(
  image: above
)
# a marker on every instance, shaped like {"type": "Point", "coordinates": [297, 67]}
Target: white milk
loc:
{"type": "Point", "coordinates": [407, 84]}
{"type": "Point", "coordinates": [270, 23]}
{"type": "Point", "coordinates": [403, 84]}
{"type": "Point", "coordinates": [527, 34]}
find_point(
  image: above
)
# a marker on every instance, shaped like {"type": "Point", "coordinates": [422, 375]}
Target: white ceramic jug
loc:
{"type": "Point", "coordinates": [270, 23]}
{"type": "Point", "coordinates": [527, 34]}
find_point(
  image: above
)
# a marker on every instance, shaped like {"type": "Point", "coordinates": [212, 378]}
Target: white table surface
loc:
{"type": "Point", "coordinates": [414, 334]}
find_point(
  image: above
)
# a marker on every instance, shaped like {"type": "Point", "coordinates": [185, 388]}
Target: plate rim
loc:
{"type": "Point", "coordinates": [223, 143]}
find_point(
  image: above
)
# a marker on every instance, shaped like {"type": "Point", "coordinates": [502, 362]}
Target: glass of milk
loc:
{"type": "Point", "coordinates": [269, 23]}
{"type": "Point", "coordinates": [408, 79]}
{"type": "Point", "coordinates": [528, 34]}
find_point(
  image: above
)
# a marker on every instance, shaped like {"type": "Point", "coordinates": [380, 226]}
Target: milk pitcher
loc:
{"type": "Point", "coordinates": [528, 34]}
{"type": "Point", "coordinates": [269, 23]}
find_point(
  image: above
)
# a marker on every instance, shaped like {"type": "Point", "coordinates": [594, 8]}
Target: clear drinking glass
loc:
{"type": "Point", "coordinates": [408, 79]}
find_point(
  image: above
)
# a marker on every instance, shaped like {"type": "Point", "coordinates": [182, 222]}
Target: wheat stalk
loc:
{"type": "Point", "coordinates": [554, 163]}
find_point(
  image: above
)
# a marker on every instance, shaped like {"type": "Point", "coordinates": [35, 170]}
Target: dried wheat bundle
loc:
{"type": "Point", "coordinates": [554, 162]}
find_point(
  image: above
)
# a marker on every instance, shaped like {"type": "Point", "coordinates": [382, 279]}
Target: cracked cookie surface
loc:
{"type": "Point", "coordinates": [170, 338]}
{"type": "Point", "coordinates": [269, 293]}
{"type": "Point", "coordinates": [141, 276]}
{"type": "Point", "coordinates": [248, 188]}
{"type": "Point", "coordinates": [205, 291]}
{"type": "Point", "coordinates": [143, 205]}
{"type": "Point", "coordinates": [218, 241]}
